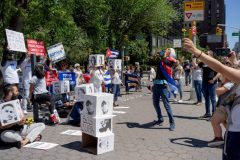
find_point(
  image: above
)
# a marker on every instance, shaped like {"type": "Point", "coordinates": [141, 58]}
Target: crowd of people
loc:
{"type": "Point", "coordinates": [215, 81]}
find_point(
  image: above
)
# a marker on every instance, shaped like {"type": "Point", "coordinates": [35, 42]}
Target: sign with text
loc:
{"type": "Point", "coordinates": [15, 41]}
{"type": "Point", "coordinates": [36, 47]}
{"type": "Point", "coordinates": [70, 76]}
{"type": "Point", "coordinates": [177, 43]}
{"type": "Point", "coordinates": [56, 52]}
{"type": "Point", "coordinates": [51, 76]}
{"type": "Point", "coordinates": [193, 11]}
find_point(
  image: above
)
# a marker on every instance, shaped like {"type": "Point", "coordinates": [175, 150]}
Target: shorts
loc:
{"type": "Point", "coordinates": [221, 113]}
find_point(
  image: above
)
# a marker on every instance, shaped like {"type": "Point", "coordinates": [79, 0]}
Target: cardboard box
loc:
{"type": "Point", "coordinates": [98, 104]}
{"type": "Point", "coordinates": [96, 60]}
{"type": "Point", "coordinates": [10, 112]}
{"type": "Point", "coordinates": [82, 90]}
{"type": "Point", "coordinates": [97, 126]}
{"type": "Point", "coordinates": [115, 64]}
{"type": "Point", "coordinates": [61, 87]}
{"type": "Point", "coordinates": [98, 145]}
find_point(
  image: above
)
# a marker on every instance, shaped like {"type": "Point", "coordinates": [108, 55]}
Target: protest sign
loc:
{"type": "Point", "coordinates": [36, 47]}
{"type": "Point", "coordinates": [15, 41]}
{"type": "Point", "coordinates": [51, 76]}
{"type": "Point", "coordinates": [71, 76]}
{"type": "Point", "coordinates": [72, 132]}
{"type": "Point", "coordinates": [56, 52]}
{"type": "Point", "coordinates": [41, 145]}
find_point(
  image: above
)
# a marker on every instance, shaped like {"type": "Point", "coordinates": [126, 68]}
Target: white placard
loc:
{"type": "Point", "coordinates": [82, 90]}
{"type": "Point", "coordinates": [41, 145]}
{"type": "Point", "coordinates": [177, 43]}
{"type": "Point", "coordinates": [61, 87]}
{"type": "Point", "coordinates": [15, 41]}
{"type": "Point", "coordinates": [56, 52]}
{"type": "Point", "coordinates": [10, 112]}
{"type": "Point", "coordinates": [115, 64]}
{"type": "Point", "coordinates": [105, 144]}
{"type": "Point", "coordinates": [72, 132]}
{"type": "Point", "coordinates": [96, 60]}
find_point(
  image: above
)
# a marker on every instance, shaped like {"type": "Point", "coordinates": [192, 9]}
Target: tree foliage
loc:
{"type": "Point", "coordinates": [85, 26]}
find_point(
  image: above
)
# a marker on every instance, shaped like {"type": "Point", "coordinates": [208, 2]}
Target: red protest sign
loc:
{"type": "Point", "coordinates": [36, 47]}
{"type": "Point", "coordinates": [51, 76]}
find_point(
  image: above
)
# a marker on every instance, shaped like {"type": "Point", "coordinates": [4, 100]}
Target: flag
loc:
{"type": "Point", "coordinates": [112, 53]}
{"type": "Point", "coordinates": [108, 53]}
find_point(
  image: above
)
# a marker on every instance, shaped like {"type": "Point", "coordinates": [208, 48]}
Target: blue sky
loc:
{"type": "Point", "coordinates": [232, 19]}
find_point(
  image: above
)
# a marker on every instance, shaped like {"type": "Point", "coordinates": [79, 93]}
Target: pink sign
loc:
{"type": "Point", "coordinates": [36, 47]}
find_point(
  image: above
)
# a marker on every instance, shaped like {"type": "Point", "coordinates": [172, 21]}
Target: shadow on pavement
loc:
{"type": "Point", "coordinates": [149, 125]}
{"type": "Point", "coordinates": [189, 142]}
{"type": "Point", "coordinates": [187, 117]}
{"type": "Point", "coordinates": [76, 145]}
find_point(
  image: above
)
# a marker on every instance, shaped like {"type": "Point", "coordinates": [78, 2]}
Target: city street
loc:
{"type": "Point", "coordinates": [135, 139]}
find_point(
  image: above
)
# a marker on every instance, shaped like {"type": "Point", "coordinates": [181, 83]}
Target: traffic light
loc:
{"type": "Point", "coordinates": [218, 31]}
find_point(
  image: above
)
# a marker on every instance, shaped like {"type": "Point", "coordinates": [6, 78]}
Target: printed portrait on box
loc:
{"type": "Point", "coordinates": [89, 107]}
{"type": "Point", "coordinates": [8, 114]}
{"type": "Point", "coordinates": [92, 61]}
{"type": "Point", "coordinates": [105, 125]}
{"type": "Point", "coordinates": [104, 107]}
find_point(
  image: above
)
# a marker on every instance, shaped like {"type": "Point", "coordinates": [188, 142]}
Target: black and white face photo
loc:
{"type": "Point", "coordinates": [104, 107]}
{"type": "Point", "coordinates": [8, 114]}
{"type": "Point", "coordinates": [90, 108]}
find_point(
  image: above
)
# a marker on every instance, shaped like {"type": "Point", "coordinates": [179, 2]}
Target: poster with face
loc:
{"type": "Point", "coordinates": [115, 64]}
{"type": "Point", "coordinates": [10, 112]}
{"type": "Point", "coordinates": [82, 90]}
{"type": "Point", "coordinates": [96, 60]}
{"type": "Point", "coordinates": [105, 144]}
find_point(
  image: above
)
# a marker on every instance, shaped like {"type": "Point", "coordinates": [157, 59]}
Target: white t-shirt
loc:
{"type": "Point", "coordinates": [197, 74]}
{"type": "Point", "coordinates": [39, 85]}
{"type": "Point", "coordinates": [97, 80]}
{"type": "Point", "coordinates": [9, 72]}
{"type": "Point", "coordinates": [235, 114]}
{"type": "Point", "coordinates": [116, 79]}
{"type": "Point", "coordinates": [26, 69]}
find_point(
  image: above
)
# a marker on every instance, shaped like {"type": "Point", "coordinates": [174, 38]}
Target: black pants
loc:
{"type": "Point", "coordinates": [232, 146]}
{"type": "Point", "coordinates": [44, 98]}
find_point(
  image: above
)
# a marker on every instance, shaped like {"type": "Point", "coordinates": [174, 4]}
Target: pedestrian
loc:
{"type": "Point", "coordinates": [18, 134]}
{"type": "Point", "coordinates": [79, 75]}
{"type": "Point", "coordinates": [178, 74]}
{"type": "Point", "coordinates": [187, 71]}
{"type": "Point", "coordinates": [209, 84]}
{"type": "Point", "coordinates": [232, 136]}
{"type": "Point", "coordinates": [160, 88]}
{"type": "Point", "coordinates": [197, 80]}
{"type": "Point", "coordinates": [97, 79]}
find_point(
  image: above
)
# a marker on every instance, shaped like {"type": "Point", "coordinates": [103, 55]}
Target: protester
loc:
{"type": "Point", "coordinates": [178, 74]}
{"type": "Point", "coordinates": [18, 134]}
{"type": "Point", "coordinates": [26, 77]}
{"type": "Point", "coordinates": [197, 80]}
{"type": "Point", "coordinates": [160, 88]}
{"type": "Point", "coordinates": [79, 74]}
{"type": "Point", "coordinates": [40, 93]}
{"type": "Point", "coordinates": [152, 74]}
{"type": "Point", "coordinates": [107, 79]}
{"type": "Point", "coordinates": [9, 67]}
{"type": "Point", "coordinates": [116, 82]}
{"type": "Point", "coordinates": [97, 79]}
{"type": "Point", "coordinates": [209, 84]}
{"type": "Point", "coordinates": [232, 136]}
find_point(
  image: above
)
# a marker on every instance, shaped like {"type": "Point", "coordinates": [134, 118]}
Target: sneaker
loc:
{"type": "Point", "coordinates": [172, 127]}
{"type": "Point", "coordinates": [158, 122]}
{"type": "Point", "coordinates": [198, 103]}
{"type": "Point", "coordinates": [180, 101]}
{"type": "Point", "coordinates": [53, 119]}
{"type": "Point", "coordinates": [205, 116]}
{"type": "Point", "coordinates": [25, 112]}
{"type": "Point", "coordinates": [217, 141]}
{"type": "Point", "coordinates": [175, 100]}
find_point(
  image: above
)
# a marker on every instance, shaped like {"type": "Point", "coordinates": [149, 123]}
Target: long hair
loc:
{"type": "Point", "coordinates": [39, 71]}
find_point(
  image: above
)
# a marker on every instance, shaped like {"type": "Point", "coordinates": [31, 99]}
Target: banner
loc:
{"type": "Point", "coordinates": [51, 76]}
{"type": "Point", "coordinates": [15, 41]}
{"type": "Point", "coordinates": [71, 76]}
{"type": "Point", "coordinates": [56, 52]}
{"type": "Point", "coordinates": [36, 47]}
{"type": "Point", "coordinates": [112, 53]}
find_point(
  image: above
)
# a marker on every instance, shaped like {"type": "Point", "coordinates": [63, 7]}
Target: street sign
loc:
{"type": "Point", "coordinates": [189, 6]}
{"type": "Point", "coordinates": [177, 43]}
{"type": "Point", "coordinates": [193, 11]}
{"type": "Point", "coordinates": [236, 34]}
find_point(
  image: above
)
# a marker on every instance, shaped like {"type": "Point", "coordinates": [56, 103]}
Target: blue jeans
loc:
{"type": "Point", "coordinates": [187, 78]}
{"type": "Point", "coordinates": [161, 90]}
{"type": "Point", "coordinates": [209, 92]}
{"type": "Point", "coordinates": [198, 90]}
{"type": "Point", "coordinates": [179, 86]}
{"type": "Point", "coordinates": [232, 146]}
{"type": "Point", "coordinates": [116, 91]}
